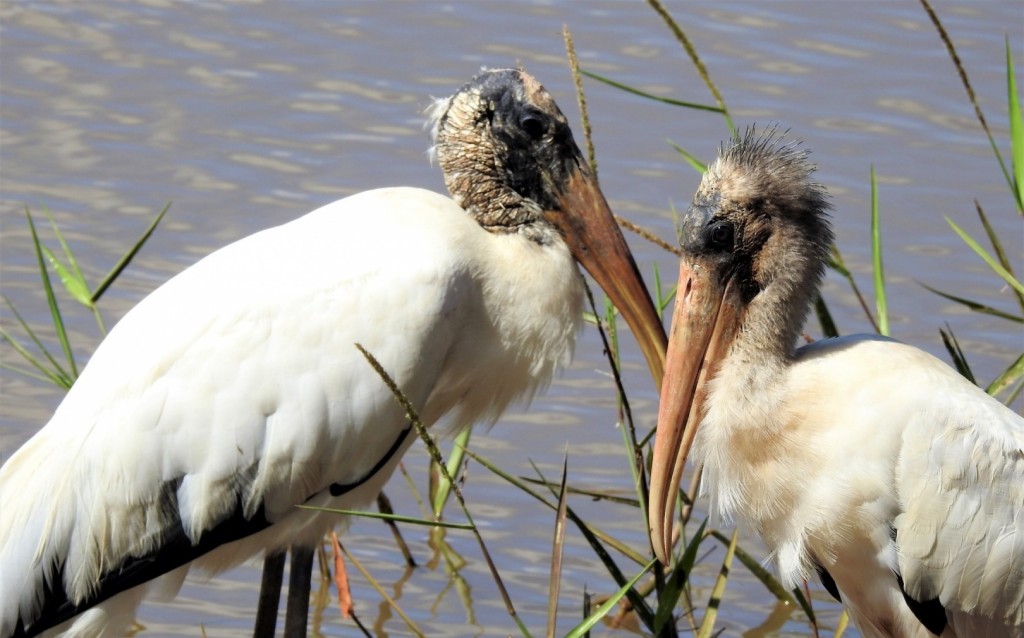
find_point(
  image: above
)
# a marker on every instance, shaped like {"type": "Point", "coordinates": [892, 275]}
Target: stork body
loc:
{"type": "Point", "coordinates": [865, 460]}
{"type": "Point", "coordinates": [235, 392]}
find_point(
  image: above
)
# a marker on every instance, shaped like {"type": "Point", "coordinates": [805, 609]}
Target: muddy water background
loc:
{"type": "Point", "coordinates": [246, 115]}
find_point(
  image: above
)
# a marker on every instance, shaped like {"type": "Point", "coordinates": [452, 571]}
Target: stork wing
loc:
{"type": "Point", "coordinates": [231, 394]}
{"type": "Point", "coordinates": [960, 536]}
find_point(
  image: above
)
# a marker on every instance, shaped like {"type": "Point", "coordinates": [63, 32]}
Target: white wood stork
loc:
{"type": "Point", "coordinates": [861, 458]}
{"type": "Point", "coordinates": [235, 392]}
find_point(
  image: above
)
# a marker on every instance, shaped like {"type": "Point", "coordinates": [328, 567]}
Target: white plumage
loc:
{"type": "Point", "coordinates": [235, 391]}
{"type": "Point", "coordinates": [862, 458]}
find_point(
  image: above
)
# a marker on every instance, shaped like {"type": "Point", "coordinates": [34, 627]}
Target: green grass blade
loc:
{"type": "Point", "coordinates": [51, 300]}
{"type": "Point", "coordinates": [948, 42]}
{"type": "Point", "coordinates": [992, 262]}
{"type": "Point", "coordinates": [997, 246]}
{"type": "Point", "coordinates": [957, 354]}
{"type": "Point", "coordinates": [837, 264]}
{"type": "Point", "coordinates": [1012, 375]}
{"type": "Point", "coordinates": [73, 282]}
{"type": "Point", "coordinates": [384, 506]}
{"type": "Point", "coordinates": [690, 158]}
{"type": "Point", "coordinates": [624, 549]}
{"type": "Point", "coordinates": [651, 96]}
{"type": "Point", "coordinates": [707, 624]}
{"type": "Point", "coordinates": [755, 567]}
{"type": "Point", "coordinates": [594, 495]}
{"type": "Point", "coordinates": [660, 302]}
{"type": "Point", "coordinates": [1016, 131]}
{"type": "Point", "coordinates": [805, 606]}
{"type": "Point", "coordinates": [435, 454]}
{"type": "Point", "coordinates": [844, 622]}
{"type": "Point", "coordinates": [634, 455]}
{"type": "Point", "coordinates": [128, 256]}
{"type": "Point", "coordinates": [55, 374]}
{"type": "Point", "coordinates": [557, 551]}
{"type": "Point", "coordinates": [455, 459]}
{"type": "Point", "coordinates": [72, 277]}
{"type": "Point", "coordinates": [586, 608]}
{"type": "Point", "coordinates": [398, 518]}
{"type": "Point", "coordinates": [881, 302]}
{"type": "Point", "coordinates": [974, 305]}
{"type": "Point", "coordinates": [594, 537]}
{"type": "Point", "coordinates": [31, 374]}
{"type": "Point", "coordinates": [580, 630]}
{"type": "Point", "coordinates": [828, 325]}
{"type": "Point", "coordinates": [668, 597]}
{"type": "Point", "coordinates": [691, 51]}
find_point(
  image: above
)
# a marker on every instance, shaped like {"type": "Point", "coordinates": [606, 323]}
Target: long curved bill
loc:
{"type": "Point", "coordinates": [704, 323]}
{"type": "Point", "coordinates": [597, 243]}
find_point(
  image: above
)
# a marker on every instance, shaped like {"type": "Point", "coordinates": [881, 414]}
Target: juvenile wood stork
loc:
{"type": "Point", "coordinates": [235, 391]}
{"type": "Point", "coordinates": [865, 460]}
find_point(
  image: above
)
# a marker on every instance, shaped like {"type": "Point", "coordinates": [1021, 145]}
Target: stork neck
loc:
{"type": "Point", "coordinates": [773, 320]}
{"type": "Point", "coordinates": [494, 205]}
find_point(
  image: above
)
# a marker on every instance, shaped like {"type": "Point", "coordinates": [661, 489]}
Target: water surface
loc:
{"type": "Point", "coordinates": [247, 114]}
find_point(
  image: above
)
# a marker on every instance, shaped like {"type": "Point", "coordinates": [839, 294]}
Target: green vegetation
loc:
{"type": "Point", "coordinates": [662, 602]}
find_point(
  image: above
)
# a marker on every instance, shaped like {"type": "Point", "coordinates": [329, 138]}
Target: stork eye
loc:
{"type": "Point", "coordinates": [533, 126]}
{"type": "Point", "coordinates": [720, 236]}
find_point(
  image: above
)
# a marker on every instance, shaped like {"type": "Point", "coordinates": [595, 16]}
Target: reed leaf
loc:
{"type": "Point", "coordinates": [126, 259]}
{"type": "Point", "coordinates": [956, 354]}
{"type": "Point", "coordinates": [828, 324]}
{"type": "Point", "coordinates": [384, 505]}
{"type": "Point", "coordinates": [881, 302]}
{"type": "Point", "coordinates": [690, 158]}
{"type": "Point", "coordinates": [984, 254]}
{"type": "Point", "coordinates": [580, 630]}
{"type": "Point", "coordinates": [755, 567]}
{"type": "Point", "coordinates": [1014, 374]}
{"type": "Point", "coordinates": [997, 246]}
{"type": "Point", "coordinates": [591, 494]}
{"type": "Point", "coordinates": [837, 264]}
{"type": "Point", "coordinates": [806, 607]}
{"type": "Point", "coordinates": [650, 96]}
{"type": "Point", "coordinates": [951, 50]}
{"type": "Point", "coordinates": [455, 460]}
{"type": "Point", "coordinates": [1016, 131]}
{"type": "Point", "coordinates": [54, 373]}
{"type": "Point", "coordinates": [844, 621]}
{"type": "Point", "coordinates": [698, 64]}
{"type": "Point", "coordinates": [435, 454]}
{"type": "Point", "coordinates": [71, 276]}
{"type": "Point", "coordinates": [51, 300]}
{"type": "Point", "coordinates": [707, 624]}
{"type": "Point", "coordinates": [398, 518]}
{"type": "Point", "coordinates": [974, 305]}
{"type": "Point", "coordinates": [557, 551]}
{"type": "Point", "coordinates": [597, 532]}
{"type": "Point", "coordinates": [640, 605]}
{"type": "Point", "coordinates": [668, 597]}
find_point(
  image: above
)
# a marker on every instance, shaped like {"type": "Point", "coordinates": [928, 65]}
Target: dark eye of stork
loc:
{"type": "Point", "coordinates": [720, 236]}
{"type": "Point", "coordinates": [533, 125]}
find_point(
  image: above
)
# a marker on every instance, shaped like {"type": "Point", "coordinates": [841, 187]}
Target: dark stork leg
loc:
{"type": "Point", "coordinates": [270, 596]}
{"type": "Point", "coordinates": [299, 579]}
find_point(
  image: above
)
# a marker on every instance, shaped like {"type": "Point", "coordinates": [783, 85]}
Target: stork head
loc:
{"type": "Point", "coordinates": [509, 159]}
{"type": "Point", "coordinates": [755, 243]}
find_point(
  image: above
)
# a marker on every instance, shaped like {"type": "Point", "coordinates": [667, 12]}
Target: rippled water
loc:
{"type": "Point", "coordinates": [247, 114]}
